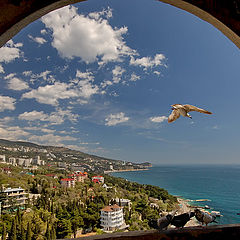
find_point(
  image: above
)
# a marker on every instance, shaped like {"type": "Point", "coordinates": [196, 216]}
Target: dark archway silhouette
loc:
{"type": "Point", "coordinates": [223, 14]}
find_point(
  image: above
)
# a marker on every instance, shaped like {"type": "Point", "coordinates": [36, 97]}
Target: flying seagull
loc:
{"type": "Point", "coordinates": [179, 109]}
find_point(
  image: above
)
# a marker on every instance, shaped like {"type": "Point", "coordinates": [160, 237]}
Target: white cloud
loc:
{"type": "Point", "coordinates": [27, 73]}
{"type": "Point", "coordinates": [17, 84]}
{"type": "Point", "coordinates": [38, 40]}
{"type": "Point", "coordinates": [12, 133]}
{"type": "Point", "coordinates": [43, 31]}
{"type": "Point", "coordinates": [55, 118]}
{"type": "Point", "coordinates": [105, 12]}
{"type": "Point", "coordinates": [32, 116]}
{"type": "Point", "coordinates": [7, 103]}
{"type": "Point", "coordinates": [85, 75]}
{"type": "Point", "coordinates": [10, 51]}
{"type": "Point", "coordinates": [114, 119]}
{"type": "Point", "coordinates": [117, 73]}
{"type": "Point", "coordinates": [157, 72]}
{"type": "Point", "coordinates": [158, 119]}
{"type": "Point", "coordinates": [50, 139]}
{"type": "Point", "coordinates": [1, 69]}
{"type": "Point", "coordinates": [148, 62]}
{"type": "Point", "coordinates": [5, 120]}
{"type": "Point", "coordinates": [89, 37]}
{"type": "Point", "coordinates": [87, 89]}
{"type": "Point", "coordinates": [134, 77]}
{"type": "Point", "coordinates": [50, 94]}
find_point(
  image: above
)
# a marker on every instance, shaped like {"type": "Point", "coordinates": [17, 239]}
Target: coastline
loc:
{"type": "Point", "coordinates": [126, 170]}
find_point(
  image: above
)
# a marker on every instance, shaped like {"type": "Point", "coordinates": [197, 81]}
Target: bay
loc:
{"type": "Point", "coordinates": [218, 183]}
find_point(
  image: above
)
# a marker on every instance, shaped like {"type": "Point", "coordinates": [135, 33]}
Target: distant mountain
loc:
{"type": "Point", "coordinates": [63, 154]}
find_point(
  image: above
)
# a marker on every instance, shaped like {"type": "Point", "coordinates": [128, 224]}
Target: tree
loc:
{"type": "Point", "coordinates": [29, 232]}
{"type": "Point", "coordinates": [48, 232]}
{"type": "Point", "coordinates": [4, 232]}
{"type": "Point", "coordinates": [13, 232]}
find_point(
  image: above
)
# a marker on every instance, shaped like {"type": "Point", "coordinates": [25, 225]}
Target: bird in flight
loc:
{"type": "Point", "coordinates": [179, 109]}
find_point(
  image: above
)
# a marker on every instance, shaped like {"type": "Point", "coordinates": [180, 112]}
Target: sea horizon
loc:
{"type": "Point", "coordinates": [218, 183]}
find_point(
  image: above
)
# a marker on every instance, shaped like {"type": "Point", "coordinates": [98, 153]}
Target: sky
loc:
{"type": "Point", "coordinates": [100, 76]}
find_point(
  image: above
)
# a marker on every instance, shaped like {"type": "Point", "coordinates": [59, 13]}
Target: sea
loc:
{"type": "Point", "coordinates": [218, 184]}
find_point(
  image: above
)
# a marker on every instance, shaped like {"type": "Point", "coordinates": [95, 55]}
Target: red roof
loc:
{"type": "Point", "coordinates": [97, 176]}
{"type": "Point", "coordinates": [67, 179]}
{"type": "Point", "coordinates": [110, 208]}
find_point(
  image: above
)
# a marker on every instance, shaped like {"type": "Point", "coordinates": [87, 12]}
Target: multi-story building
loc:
{"type": "Point", "coordinates": [112, 218]}
{"type": "Point", "coordinates": [79, 176]}
{"type": "Point", "coordinates": [98, 179]}
{"type": "Point", "coordinates": [68, 182]}
{"type": "Point", "coordinates": [12, 161]}
{"type": "Point", "coordinates": [14, 197]}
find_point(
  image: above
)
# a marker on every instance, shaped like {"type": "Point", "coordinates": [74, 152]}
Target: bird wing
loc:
{"type": "Point", "coordinates": [190, 108]}
{"type": "Point", "coordinates": [174, 115]}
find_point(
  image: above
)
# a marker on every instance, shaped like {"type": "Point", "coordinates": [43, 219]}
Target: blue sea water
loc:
{"type": "Point", "coordinates": [218, 183]}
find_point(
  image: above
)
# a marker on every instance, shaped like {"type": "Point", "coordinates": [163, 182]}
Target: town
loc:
{"type": "Point", "coordinates": [47, 193]}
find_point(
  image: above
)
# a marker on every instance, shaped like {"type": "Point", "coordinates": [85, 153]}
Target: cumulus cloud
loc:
{"type": "Point", "coordinates": [55, 118]}
{"type": "Point", "coordinates": [43, 31]}
{"type": "Point", "coordinates": [50, 94]}
{"type": "Point", "coordinates": [117, 73]}
{"type": "Point", "coordinates": [1, 69]}
{"type": "Point", "coordinates": [32, 116]}
{"type": "Point", "coordinates": [10, 51]}
{"type": "Point", "coordinates": [13, 133]}
{"type": "Point", "coordinates": [38, 40]}
{"type": "Point", "coordinates": [148, 62]}
{"type": "Point", "coordinates": [7, 103]}
{"type": "Point", "coordinates": [16, 84]}
{"type": "Point", "coordinates": [114, 119]}
{"type": "Point", "coordinates": [134, 77]}
{"type": "Point", "coordinates": [50, 139]}
{"type": "Point", "coordinates": [158, 119]}
{"type": "Point", "coordinates": [89, 37]}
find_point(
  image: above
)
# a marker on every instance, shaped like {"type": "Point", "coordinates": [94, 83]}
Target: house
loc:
{"type": "Point", "coordinates": [123, 202]}
{"type": "Point", "coordinates": [112, 218]}
{"type": "Point", "coordinates": [80, 177]}
{"type": "Point", "coordinates": [6, 170]}
{"type": "Point", "coordinates": [68, 182]}
{"type": "Point", "coordinates": [14, 197]}
{"type": "Point", "coordinates": [98, 179]}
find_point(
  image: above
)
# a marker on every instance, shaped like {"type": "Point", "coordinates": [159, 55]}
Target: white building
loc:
{"type": "Point", "coordinates": [123, 202]}
{"type": "Point", "coordinates": [12, 161]}
{"type": "Point", "coordinates": [112, 218]}
{"type": "Point", "coordinates": [15, 196]}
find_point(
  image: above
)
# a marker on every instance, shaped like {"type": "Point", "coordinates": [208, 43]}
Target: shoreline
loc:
{"type": "Point", "coordinates": [125, 170]}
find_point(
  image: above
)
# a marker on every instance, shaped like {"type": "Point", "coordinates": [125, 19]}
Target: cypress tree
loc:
{"type": "Point", "coordinates": [53, 233]}
{"type": "Point", "coordinates": [13, 232]}
{"type": "Point", "coordinates": [48, 233]}
{"type": "Point", "coordinates": [4, 232]}
{"type": "Point", "coordinates": [29, 232]}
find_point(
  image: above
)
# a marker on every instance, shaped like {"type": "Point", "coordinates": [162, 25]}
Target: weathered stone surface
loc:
{"type": "Point", "coordinates": [219, 232]}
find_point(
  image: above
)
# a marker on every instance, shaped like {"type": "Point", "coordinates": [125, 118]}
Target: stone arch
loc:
{"type": "Point", "coordinates": [223, 14]}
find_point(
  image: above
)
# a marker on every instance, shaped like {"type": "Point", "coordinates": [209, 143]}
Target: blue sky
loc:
{"type": "Point", "coordinates": [100, 76]}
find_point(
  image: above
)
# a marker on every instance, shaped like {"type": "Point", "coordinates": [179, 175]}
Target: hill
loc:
{"type": "Point", "coordinates": [66, 157]}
